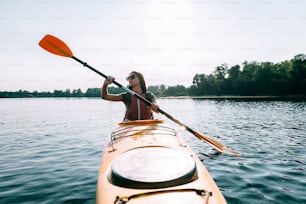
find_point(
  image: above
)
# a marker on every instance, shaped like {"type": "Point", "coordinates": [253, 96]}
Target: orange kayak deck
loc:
{"type": "Point", "coordinates": [148, 162]}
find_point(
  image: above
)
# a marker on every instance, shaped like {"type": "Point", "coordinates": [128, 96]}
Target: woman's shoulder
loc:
{"type": "Point", "coordinates": [150, 95]}
{"type": "Point", "coordinates": [125, 95]}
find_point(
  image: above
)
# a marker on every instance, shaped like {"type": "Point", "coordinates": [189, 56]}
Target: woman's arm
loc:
{"type": "Point", "coordinates": [104, 92]}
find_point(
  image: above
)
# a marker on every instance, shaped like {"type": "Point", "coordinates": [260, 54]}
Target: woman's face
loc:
{"type": "Point", "coordinates": [133, 79]}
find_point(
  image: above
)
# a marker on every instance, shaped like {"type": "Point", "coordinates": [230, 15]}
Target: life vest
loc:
{"type": "Point", "coordinates": [136, 109]}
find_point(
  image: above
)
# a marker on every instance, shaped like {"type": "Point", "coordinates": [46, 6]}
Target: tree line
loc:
{"type": "Point", "coordinates": [249, 79]}
{"type": "Point", "coordinates": [90, 92]}
{"type": "Point", "coordinates": [254, 78]}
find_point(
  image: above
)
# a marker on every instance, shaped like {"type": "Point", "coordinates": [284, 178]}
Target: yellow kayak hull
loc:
{"type": "Point", "coordinates": [148, 162]}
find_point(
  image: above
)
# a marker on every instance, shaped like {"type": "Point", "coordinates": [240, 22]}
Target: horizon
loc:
{"type": "Point", "coordinates": [168, 41]}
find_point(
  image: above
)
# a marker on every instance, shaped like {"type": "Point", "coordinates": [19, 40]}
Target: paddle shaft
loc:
{"type": "Point", "coordinates": [214, 143]}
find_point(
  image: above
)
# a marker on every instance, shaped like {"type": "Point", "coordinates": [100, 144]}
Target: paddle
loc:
{"type": "Point", "coordinates": [58, 47]}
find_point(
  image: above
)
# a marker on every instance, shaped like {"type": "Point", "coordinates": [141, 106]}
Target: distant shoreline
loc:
{"type": "Point", "coordinates": [281, 98]}
{"type": "Point", "coordinates": [230, 97]}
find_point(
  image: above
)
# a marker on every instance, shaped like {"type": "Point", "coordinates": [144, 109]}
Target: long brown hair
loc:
{"type": "Point", "coordinates": [141, 80]}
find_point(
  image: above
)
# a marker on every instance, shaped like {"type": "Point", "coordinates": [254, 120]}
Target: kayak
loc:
{"type": "Point", "coordinates": [147, 162]}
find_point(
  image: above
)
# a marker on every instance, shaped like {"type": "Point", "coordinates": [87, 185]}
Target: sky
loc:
{"type": "Point", "coordinates": [169, 41]}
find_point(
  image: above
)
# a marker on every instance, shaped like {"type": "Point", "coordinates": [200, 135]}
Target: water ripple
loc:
{"type": "Point", "coordinates": [51, 148]}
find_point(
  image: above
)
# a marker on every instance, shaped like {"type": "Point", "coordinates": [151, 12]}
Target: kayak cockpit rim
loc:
{"type": "Point", "coordinates": [140, 128]}
{"type": "Point", "coordinates": [140, 122]}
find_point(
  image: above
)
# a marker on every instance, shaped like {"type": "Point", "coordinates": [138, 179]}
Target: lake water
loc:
{"type": "Point", "coordinates": [50, 148]}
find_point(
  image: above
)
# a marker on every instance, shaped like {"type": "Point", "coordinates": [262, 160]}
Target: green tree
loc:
{"type": "Point", "coordinates": [263, 76]}
{"type": "Point", "coordinates": [77, 93]}
{"type": "Point", "coordinates": [93, 92]}
{"type": "Point", "coordinates": [204, 84]}
{"type": "Point", "coordinates": [280, 83]}
{"type": "Point", "coordinates": [58, 93]}
{"type": "Point", "coordinates": [297, 70]}
{"type": "Point", "coordinates": [233, 77]}
{"type": "Point", "coordinates": [178, 90]}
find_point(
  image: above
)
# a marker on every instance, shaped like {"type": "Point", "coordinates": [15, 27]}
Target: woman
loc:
{"type": "Point", "coordinates": [135, 109]}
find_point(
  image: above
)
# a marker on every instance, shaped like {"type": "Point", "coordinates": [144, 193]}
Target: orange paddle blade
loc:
{"type": "Point", "coordinates": [55, 46]}
{"type": "Point", "coordinates": [220, 147]}
{"type": "Point", "coordinates": [217, 145]}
